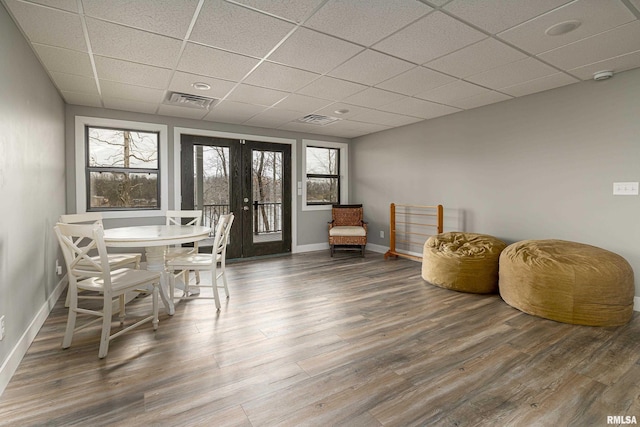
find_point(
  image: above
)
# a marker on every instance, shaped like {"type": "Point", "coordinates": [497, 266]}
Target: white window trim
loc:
{"type": "Point", "coordinates": [344, 172]}
{"type": "Point", "coordinates": [80, 154]}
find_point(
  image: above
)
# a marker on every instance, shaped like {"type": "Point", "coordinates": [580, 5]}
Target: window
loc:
{"type": "Point", "coordinates": [122, 169]}
{"type": "Point", "coordinates": [325, 174]}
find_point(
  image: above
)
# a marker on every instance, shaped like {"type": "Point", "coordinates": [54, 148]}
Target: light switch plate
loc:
{"type": "Point", "coordinates": [625, 188]}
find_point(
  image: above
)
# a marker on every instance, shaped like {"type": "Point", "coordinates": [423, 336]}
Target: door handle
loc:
{"type": "Point", "coordinates": [245, 208]}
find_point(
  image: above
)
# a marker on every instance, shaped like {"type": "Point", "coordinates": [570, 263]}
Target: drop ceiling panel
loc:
{"type": "Point", "coordinates": [186, 112]}
{"type": "Point", "coordinates": [211, 62]}
{"type": "Point", "coordinates": [238, 29]}
{"type": "Point", "coordinates": [478, 57]}
{"type": "Point", "coordinates": [134, 93]}
{"type": "Point", "coordinates": [68, 5]}
{"type": "Point", "coordinates": [293, 10]}
{"type": "Point", "coordinates": [452, 91]}
{"type": "Point", "coordinates": [281, 77]}
{"type": "Point", "coordinates": [182, 82]}
{"type": "Point", "coordinates": [302, 103]}
{"type": "Point", "coordinates": [595, 17]}
{"type": "Point", "coordinates": [372, 98]}
{"type": "Point", "coordinates": [131, 72]}
{"type": "Point", "coordinates": [513, 73]}
{"type": "Point", "coordinates": [167, 17]}
{"type": "Point", "coordinates": [489, 97]}
{"type": "Point", "coordinates": [74, 83]}
{"type": "Point", "coordinates": [331, 89]}
{"type": "Point", "coordinates": [419, 108]}
{"type": "Point", "coordinates": [416, 80]}
{"type": "Point", "coordinates": [233, 112]}
{"type": "Point", "coordinates": [128, 105]}
{"type": "Point", "coordinates": [49, 26]}
{"type": "Point", "coordinates": [273, 118]}
{"type": "Point", "coordinates": [384, 118]}
{"type": "Point", "coordinates": [64, 60]}
{"type": "Point", "coordinates": [617, 64]}
{"type": "Point", "coordinates": [370, 67]}
{"type": "Point", "coordinates": [256, 95]}
{"type": "Point", "coordinates": [351, 110]}
{"type": "Point", "coordinates": [538, 85]}
{"type": "Point", "coordinates": [498, 15]}
{"type": "Point", "coordinates": [432, 36]}
{"type": "Point", "coordinates": [87, 99]}
{"type": "Point", "coordinates": [133, 45]}
{"type": "Point", "coordinates": [345, 19]}
{"type": "Point", "coordinates": [312, 51]}
{"type": "Point", "coordinates": [616, 42]}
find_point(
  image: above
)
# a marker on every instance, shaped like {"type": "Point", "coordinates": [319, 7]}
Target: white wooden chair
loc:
{"type": "Point", "coordinates": [175, 217]}
{"type": "Point", "coordinates": [86, 273]}
{"type": "Point", "coordinates": [204, 262]}
{"type": "Point", "coordinates": [116, 260]}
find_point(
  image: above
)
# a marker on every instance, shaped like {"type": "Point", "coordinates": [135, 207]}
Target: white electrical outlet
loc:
{"type": "Point", "coordinates": [625, 188]}
{"type": "Point", "coordinates": [1, 328]}
{"type": "Point", "coordinates": [381, 234]}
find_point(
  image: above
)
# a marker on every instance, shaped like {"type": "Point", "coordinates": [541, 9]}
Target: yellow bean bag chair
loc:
{"type": "Point", "coordinates": [568, 282]}
{"type": "Point", "coordinates": [465, 262]}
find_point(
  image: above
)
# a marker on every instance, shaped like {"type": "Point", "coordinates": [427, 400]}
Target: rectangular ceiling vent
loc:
{"type": "Point", "coordinates": [192, 101]}
{"type": "Point", "coordinates": [317, 119]}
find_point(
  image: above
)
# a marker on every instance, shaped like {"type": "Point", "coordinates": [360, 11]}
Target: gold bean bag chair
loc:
{"type": "Point", "coordinates": [568, 282]}
{"type": "Point", "coordinates": [465, 262]}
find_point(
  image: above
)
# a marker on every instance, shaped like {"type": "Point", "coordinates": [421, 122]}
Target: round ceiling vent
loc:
{"type": "Point", "coordinates": [562, 28]}
{"type": "Point", "coordinates": [602, 75]}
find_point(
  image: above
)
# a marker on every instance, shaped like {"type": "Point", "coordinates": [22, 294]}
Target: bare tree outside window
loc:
{"type": "Point", "coordinates": [323, 175]}
{"type": "Point", "coordinates": [122, 169]}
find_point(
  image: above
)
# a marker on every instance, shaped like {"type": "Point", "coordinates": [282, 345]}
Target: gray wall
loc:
{"type": "Point", "coordinates": [32, 186]}
{"type": "Point", "coordinates": [311, 225]}
{"type": "Point", "coordinates": [536, 167]}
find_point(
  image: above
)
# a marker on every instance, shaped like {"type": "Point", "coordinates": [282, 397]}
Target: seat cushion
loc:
{"type": "Point", "coordinates": [347, 231]}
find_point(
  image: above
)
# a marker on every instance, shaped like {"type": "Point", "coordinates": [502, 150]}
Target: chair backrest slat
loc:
{"type": "Point", "coordinates": [176, 217]}
{"type": "Point", "coordinates": [347, 214]}
{"type": "Point", "coordinates": [86, 218]}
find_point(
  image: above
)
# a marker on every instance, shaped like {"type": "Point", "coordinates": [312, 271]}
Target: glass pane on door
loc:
{"type": "Point", "coordinates": [267, 185]}
{"type": "Point", "coordinates": [211, 183]}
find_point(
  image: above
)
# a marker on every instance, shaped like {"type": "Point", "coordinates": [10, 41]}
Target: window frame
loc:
{"type": "Point", "coordinates": [82, 167]}
{"type": "Point", "coordinates": [343, 174]}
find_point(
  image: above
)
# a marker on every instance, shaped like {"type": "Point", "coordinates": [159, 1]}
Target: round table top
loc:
{"type": "Point", "coordinates": [154, 235]}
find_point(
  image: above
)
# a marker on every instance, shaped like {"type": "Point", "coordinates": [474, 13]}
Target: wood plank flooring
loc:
{"type": "Point", "coordinates": [309, 340]}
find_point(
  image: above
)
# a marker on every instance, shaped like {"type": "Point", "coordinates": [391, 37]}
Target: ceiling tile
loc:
{"type": "Point", "coordinates": [74, 83]}
{"type": "Point", "coordinates": [186, 112]}
{"type": "Point", "coordinates": [233, 112]}
{"type": "Point", "coordinates": [513, 73]}
{"type": "Point", "coordinates": [182, 82]}
{"type": "Point", "coordinates": [167, 17]}
{"type": "Point", "coordinates": [135, 93]}
{"type": "Point", "coordinates": [128, 105]}
{"type": "Point", "coordinates": [616, 42]}
{"type": "Point", "coordinates": [452, 91]}
{"type": "Point", "coordinates": [313, 51]}
{"type": "Point", "coordinates": [273, 118]}
{"type": "Point", "coordinates": [331, 89]}
{"type": "Point", "coordinates": [370, 67]}
{"type": "Point", "coordinates": [64, 60]}
{"type": "Point", "coordinates": [617, 64]}
{"type": "Point", "coordinates": [434, 35]}
{"type": "Point", "coordinates": [352, 110]}
{"type": "Point", "coordinates": [238, 29]}
{"type": "Point", "coordinates": [372, 98]}
{"type": "Point", "coordinates": [489, 97]}
{"type": "Point", "coordinates": [294, 10]}
{"type": "Point", "coordinates": [478, 57]}
{"type": "Point", "coordinates": [126, 43]}
{"type": "Point", "coordinates": [49, 26]}
{"type": "Point", "coordinates": [636, 3]}
{"type": "Point", "coordinates": [350, 129]}
{"type": "Point", "coordinates": [302, 103]}
{"type": "Point", "coordinates": [131, 72]}
{"type": "Point", "coordinates": [281, 77]}
{"type": "Point", "coordinates": [498, 15]}
{"type": "Point", "coordinates": [595, 16]}
{"type": "Point", "coordinates": [68, 5]}
{"type": "Point", "coordinates": [538, 85]}
{"type": "Point", "coordinates": [385, 119]}
{"type": "Point", "coordinates": [211, 62]}
{"type": "Point", "coordinates": [366, 22]}
{"type": "Point", "coordinates": [416, 80]}
{"type": "Point", "coordinates": [256, 95]}
{"type": "Point", "coordinates": [87, 99]}
{"type": "Point", "coordinates": [419, 108]}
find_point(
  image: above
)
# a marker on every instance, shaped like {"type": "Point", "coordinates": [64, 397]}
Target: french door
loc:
{"type": "Point", "coordinates": [252, 179]}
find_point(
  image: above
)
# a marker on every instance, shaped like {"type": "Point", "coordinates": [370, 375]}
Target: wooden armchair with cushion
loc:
{"type": "Point", "coordinates": [347, 228]}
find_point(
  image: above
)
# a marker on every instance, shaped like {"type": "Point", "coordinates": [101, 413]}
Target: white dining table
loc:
{"type": "Point", "coordinates": [155, 239]}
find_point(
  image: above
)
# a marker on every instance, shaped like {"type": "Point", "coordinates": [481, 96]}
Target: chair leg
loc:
{"type": "Point", "coordinates": [197, 277]}
{"type": "Point", "coordinates": [331, 250]}
{"type": "Point", "coordinates": [214, 283]}
{"type": "Point", "coordinates": [122, 313]}
{"type": "Point", "coordinates": [154, 298]}
{"type": "Point", "coordinates": [223, 274]}
{"type": "Point", "coordinates": [71, 319]}
{"type": "Point", "coordinates": [363, 246]}
{"type": "Point", "coordinates": [106, 327]}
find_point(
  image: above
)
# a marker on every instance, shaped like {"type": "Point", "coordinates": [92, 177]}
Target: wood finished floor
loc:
{"type": "Point", "coordinates": [309, 340]}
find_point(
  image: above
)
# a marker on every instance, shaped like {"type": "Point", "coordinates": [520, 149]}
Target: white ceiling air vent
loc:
{"type": "Point", "coordinates": [192, 101]}
{"type": "Point", "coordinates": [317, 119]}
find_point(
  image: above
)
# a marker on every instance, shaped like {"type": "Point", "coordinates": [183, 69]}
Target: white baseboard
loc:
{"type": "Point", "coordinates": [12, 362]}
{"type": "Point", "coordinates": [377, 248]}
{"type": "Point", "coordinates": [311, 248]}
{"type": "Point", "coordinates": [636, 304]}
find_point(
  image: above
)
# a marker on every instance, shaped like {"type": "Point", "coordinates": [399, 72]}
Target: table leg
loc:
{"type": "Point", "coordinates": [155, 262]}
